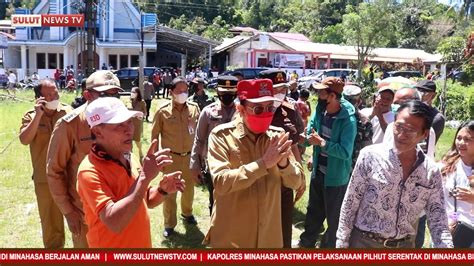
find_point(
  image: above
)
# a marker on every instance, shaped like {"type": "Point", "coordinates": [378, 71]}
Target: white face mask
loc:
{"type": "Point", "coordinates": [279, 96]}
{"type": "Point", "coordinates": [52, 105]}
{"type": "Point", "coordinates": [180, 98]}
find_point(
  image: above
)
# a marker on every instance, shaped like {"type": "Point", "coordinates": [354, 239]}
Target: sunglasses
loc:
{"type": "Point", "coordinates": [258, 109]}
{"type": "Point", "coordinates": [104, 94]}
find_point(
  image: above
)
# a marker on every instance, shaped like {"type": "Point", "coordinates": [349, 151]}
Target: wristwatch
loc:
{"type": "Point", "coordinates": [323, 143]}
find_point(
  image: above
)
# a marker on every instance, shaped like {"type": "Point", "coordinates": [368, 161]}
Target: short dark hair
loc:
{"type": "Point", "coordinates": [178, 80]}
{"type": "Point", "coordinates": [304, 93]}
{"type": "Point", "coordinates": [418, 109]}
{"type": "Point", "coordinates": [37, 88]}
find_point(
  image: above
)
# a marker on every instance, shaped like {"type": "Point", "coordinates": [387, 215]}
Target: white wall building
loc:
{"type": "Point", "coordinates": [117, 39]}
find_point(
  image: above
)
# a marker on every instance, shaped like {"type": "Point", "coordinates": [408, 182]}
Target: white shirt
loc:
{"type": "Point", "coordinates": [389, 117]}
{"type": "Point", "coordinates": [12, 78]}
{"type": "Point", "coordinates": [377, 199]}
{"type": "Point", "coordinates": [464, 208]}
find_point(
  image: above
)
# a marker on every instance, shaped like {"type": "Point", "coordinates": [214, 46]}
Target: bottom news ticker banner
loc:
{"type": "Point", "coordinates": [167, 256]}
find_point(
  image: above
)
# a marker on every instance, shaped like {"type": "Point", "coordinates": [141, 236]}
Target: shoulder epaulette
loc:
{"type": "Point", "coordinates": [69, 117]}
{"type": "Point", "coordinates": [223, 126]}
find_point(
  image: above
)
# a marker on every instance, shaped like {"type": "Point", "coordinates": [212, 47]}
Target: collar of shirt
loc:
{"type": "Point", "coordinates": [101, 154]}
{"type": "Point", "coordinates": [175, 105]}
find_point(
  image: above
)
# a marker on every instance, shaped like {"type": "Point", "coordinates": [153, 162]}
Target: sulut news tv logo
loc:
{"type": "Point", "coordinates": [48, 20]}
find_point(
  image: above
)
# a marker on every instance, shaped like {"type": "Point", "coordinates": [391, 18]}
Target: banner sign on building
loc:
{"type": "Point", "coordinates": [290, 60]}
{"type": "Point", "coordinates": [48, 20]}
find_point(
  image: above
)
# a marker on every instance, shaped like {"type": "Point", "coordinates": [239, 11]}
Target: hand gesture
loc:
{"type": "Point", "coordinates": [154, 162]}
{"type": "Point", "coordinates": [39, 106]}
{"type": "Point", "coordinates": [465, 194]}
{"type": "Point", "coordinates": [196, 174]}
{"type": "Point", "coordinates": [314, 138]}
{"type": "Point", "coordinates": [279, 148]}
{"type": "Point", "coordinates": [172, 183]}
{"type": "Point", "coordinates": [74, 221]}
{"type": "Point", "coordinates": [300, 191]}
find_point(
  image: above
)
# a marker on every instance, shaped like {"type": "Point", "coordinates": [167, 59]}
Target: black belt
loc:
{"type": "Point", "coordinates": [386, 242]}
{"type": "Point", "coordinates": [183, 154]}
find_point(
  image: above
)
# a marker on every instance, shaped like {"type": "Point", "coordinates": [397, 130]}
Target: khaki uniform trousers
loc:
{"type": "Point", "coordinates": [180, 163]}
{"type": "Point", "coordinates": [52, 220]}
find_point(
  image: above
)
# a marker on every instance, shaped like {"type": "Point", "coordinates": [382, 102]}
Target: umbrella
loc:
{"type": "Point", "coordinates": [396, 83]}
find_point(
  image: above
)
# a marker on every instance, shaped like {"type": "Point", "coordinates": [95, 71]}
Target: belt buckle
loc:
{"type": "Point", "coordinates": [387, 242]}
{"type": "Point", "coordinates": [183, 154]}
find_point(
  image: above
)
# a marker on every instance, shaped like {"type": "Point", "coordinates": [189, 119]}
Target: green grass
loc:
{"type": "Point", "coordinates": [19, 219]}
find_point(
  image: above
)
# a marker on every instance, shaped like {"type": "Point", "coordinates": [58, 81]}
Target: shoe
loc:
{"type": "Point", "coordinates": [189, 219]}
{"type": "Point", "coordinates": [168, 232]}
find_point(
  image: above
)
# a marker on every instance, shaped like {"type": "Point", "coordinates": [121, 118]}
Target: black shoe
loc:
{"type": "Point", "coordinates": [189, 219]}
{"type": "Point", "coordinates": [168, 232]}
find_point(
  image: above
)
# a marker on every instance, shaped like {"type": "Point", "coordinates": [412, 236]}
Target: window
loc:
{"type": "Point", "coordinates": [135, 60]}
{"type": "Point", "coordinates": [40, 61]}
{"type": "Point", "coordinates": [52, 61]}
{"type": "Point", "coordinates": [123, 60]}
{"type": "Point", "coordinates": [133, 73]}
{"type": "Point", "coordinates": [113, 60]}
{"type": "Point", "coordinates": [61, 61]}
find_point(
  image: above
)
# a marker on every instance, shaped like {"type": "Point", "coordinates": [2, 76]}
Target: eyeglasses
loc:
{"type": "Point", "coordinates": [409, 132]}
{"type": "Point", "coordinates": [104, 94]}
{"type": "Point", "coordinates": [258, 109]}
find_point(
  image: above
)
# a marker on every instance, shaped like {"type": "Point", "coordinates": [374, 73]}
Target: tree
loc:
{"type": "Point", "coordinates": [368, 26]}
{"type": "Point", "coordinates": [218, 30]}
{"type": "Point", "coordinates": [452, 50]}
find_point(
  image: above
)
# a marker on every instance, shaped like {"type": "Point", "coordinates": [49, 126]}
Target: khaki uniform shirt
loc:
{"type": "Point", "coordinates": [213, 115]}
{"type": "Point", "coordinates": [176, 128]}
{"type": "Point", "coordinates": [39, 145]}
{"type": "Point", "coordinates": [247, 206]}
{"type": "Point", "coordinates": [70, 143]}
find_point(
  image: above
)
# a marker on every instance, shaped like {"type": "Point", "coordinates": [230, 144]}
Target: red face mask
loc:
{"type": "Point", "coordinates": [259, 123]}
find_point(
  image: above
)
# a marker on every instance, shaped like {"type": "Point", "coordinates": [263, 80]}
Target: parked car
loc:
{"type": "Point", "coordinates": [248, 73]}
{"type": "Point", "coordinates": [405, 74]}
{"type": "Point", "coordinates": [305, 82]}
{"type": "Point", "coordinates": [129, 77]}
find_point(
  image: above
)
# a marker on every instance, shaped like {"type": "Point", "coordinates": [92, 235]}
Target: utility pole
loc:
{"type": "Point", "coordinates": [91, 15]}
{"type": "Point", "coordinates": [141, 59]}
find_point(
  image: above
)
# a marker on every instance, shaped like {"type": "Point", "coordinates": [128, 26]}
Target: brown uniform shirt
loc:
{"type": "Point", "coordinates": [176, 128]}
{"type": "Point", "coordinates": [39, 145]}
{"type": "Point", "coordinates": [211, 116]}
{"type": "Point", "coordinates": [247, 212]}
{"type": "Point", "coordinates": [70, 143]}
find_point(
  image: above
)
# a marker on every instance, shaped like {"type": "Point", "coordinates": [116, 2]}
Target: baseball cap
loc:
{"type": "Point", "coordinates": [109, 110]}
{"type": "Point", "coordinates": [227, 83]}
{"type": "Point", "coordinates": [199, 80]}
{"type": "Point", "coordinates": [331, 83]}
{"type": "Point", "coordinates": [352, 90]}
{"type": "Point", "coordinates": [386, 88]}
{"type": "Point", "coordinates": [103, 80]}
{"type": "Point", "coordinates": [426, 85]}
{"type": "Point", "coordinates": [256, 90]}
{"type": "Point", "coordinates": [277, 77]}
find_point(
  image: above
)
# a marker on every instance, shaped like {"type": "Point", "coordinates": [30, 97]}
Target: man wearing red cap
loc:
{"type": "Point", "coordinates": [249, 160]}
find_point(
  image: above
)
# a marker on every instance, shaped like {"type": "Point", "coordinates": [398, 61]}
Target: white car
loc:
{"type": "Point", "coordinates": [319, 75]}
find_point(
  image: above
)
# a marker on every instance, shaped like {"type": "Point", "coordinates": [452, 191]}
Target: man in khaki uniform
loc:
{"type": "Point", "coordinates": [70, 143]}
{"type": "Point", "coordinates": [211, 116]}
{"type": "Point", "coordinates": [36, 128]}
{"type": "Point", "coordinates": [174, 126]}
{"type": "Point", "coordinates": [249, 161]}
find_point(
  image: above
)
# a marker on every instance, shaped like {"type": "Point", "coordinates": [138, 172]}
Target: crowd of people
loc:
{"type": "Point", "coordinates": [373, 177]}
